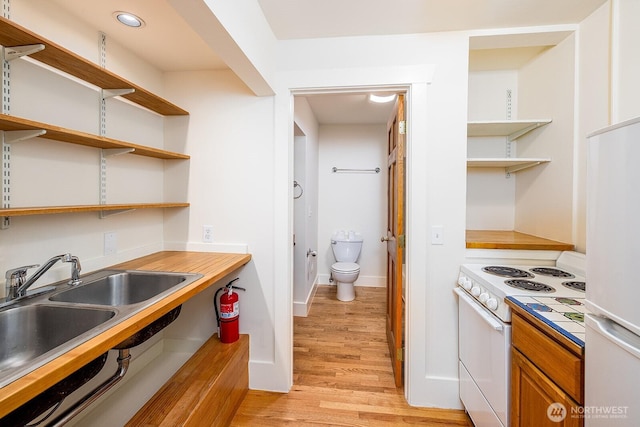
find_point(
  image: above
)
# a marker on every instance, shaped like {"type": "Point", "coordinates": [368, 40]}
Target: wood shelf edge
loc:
{"type": "Point", "coordinates": [509, 239]}
{"type": "Point", "coordinates": [56, 133]}
{"type": "Point", "coordinates": [51, 210]}
{"type": "Point", "coordinates": [54, 55]}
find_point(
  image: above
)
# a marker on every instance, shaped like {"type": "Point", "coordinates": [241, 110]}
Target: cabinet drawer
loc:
{"type": "Point", "coordinates": [559, 364]}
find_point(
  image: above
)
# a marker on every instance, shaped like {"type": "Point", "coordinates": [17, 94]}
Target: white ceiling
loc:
{"type": "Point", "coordinates": [349, 108]}
{"type": "Point", "coordinates": [296, 19]}
{"type": "Point", "coordinates": [170, 44]}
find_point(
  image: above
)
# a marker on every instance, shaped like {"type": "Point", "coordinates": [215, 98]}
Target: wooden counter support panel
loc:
{"type": "Point", "coordinates": [206, 391]}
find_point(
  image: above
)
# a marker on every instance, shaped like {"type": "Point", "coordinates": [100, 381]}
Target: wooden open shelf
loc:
{"type": "Point", "coordinates": [12, 35]}
{"type": "Point", "coordinates": [49, 210]}
{"type": "Point", "coordinates": [12, 123]}
{"type": "Point", "coordinates": [508, 239]}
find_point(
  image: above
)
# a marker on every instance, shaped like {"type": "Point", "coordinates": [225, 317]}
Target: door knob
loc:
{"type": "Point", "coordinates": [384, 239]}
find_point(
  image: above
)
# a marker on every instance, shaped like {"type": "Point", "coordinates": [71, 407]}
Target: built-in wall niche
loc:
{"type": "Point", "coordinates": [520, 123]}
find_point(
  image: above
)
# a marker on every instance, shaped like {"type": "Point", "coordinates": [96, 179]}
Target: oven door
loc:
{"type": "Point", "coordinates": [484, 350]}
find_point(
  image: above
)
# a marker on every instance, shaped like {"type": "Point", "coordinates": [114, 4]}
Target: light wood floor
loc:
{"type": "Point", "coordinates": [342, 372]}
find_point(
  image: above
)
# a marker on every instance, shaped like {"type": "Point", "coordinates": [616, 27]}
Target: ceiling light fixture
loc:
{"type": "Point", "coordinates": [128, 19]}
{"type": "Point", "coordinates": [378, 99]}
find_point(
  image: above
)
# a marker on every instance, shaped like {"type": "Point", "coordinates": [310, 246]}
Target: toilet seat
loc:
{"type": "Point", "coordinates": [345, 267]}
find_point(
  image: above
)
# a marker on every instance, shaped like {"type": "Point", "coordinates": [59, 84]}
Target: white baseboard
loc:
{"type": "Point", "coordinates": [435, 392]}
{"type": "Point", "coordinates": [301, 309]}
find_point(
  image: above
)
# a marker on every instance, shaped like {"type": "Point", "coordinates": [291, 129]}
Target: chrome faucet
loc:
{"type": "Point", "coordinates": [17, 283]}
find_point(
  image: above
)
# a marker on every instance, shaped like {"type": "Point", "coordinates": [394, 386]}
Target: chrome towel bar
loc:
{"type": "Point", "coordinates": [335, 169]}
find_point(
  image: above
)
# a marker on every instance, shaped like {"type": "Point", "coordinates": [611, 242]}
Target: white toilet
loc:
{"type": "Point", "coordinates": [346, 250]}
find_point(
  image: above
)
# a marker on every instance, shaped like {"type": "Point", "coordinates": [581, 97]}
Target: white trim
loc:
{"type": "Point", "coordinates": [301, 309]}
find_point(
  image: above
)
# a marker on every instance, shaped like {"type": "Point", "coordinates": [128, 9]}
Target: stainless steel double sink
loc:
{"type": "Point", "coordinates": [36, 330]}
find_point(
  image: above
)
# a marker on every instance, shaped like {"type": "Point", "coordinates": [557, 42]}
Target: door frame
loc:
{"type": "Point", "coordinates": [406, 90]}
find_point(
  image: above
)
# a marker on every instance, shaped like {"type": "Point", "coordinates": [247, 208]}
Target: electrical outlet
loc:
{"type": "Point", "coordinates": [207, 233]}
{"type": "Point", "coordinates": [110, 243]}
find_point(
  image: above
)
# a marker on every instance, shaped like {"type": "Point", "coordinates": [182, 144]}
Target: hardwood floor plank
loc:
{"type": "Point", "coordinates": [342, 373]}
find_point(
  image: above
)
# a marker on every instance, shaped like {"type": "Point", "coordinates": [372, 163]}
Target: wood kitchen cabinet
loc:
{"type": "Point", "coordinates": [547, 377]}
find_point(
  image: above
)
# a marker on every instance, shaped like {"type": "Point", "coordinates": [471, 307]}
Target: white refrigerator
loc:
{"type": "Point", "coordinates": [612, 343]}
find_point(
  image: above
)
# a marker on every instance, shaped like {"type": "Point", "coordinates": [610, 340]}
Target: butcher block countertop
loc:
{"type": "Point", "coordinates": [506, 239]}
{"type": "Point", "coordinates": [213, 267]}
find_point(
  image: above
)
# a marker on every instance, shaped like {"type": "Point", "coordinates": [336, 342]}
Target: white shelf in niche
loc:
{"type": "Point", "coordinates": [512, 129]}
{"type": "Point", "coordinates": [510, 165]}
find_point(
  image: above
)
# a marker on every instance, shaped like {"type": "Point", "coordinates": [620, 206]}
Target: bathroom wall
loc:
{"type": "Point", "coordinates": [305, 172]}
{"type": "Point", "coordinates": [353, 201]}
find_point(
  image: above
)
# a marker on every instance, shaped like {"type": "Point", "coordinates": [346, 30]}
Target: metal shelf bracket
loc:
{"type": "Point", "coordinates": [105, 214]}
{"type": "Point", "coordinates": [11, 136]}
{"type": "Point", "coordinates": [110, 93]}
{"type": "Point", "coordinates": [110, 152]}
{"type": "Point", "coordinates": [15, 52]}
{"type": "Point", "coordinates": [521, 132]}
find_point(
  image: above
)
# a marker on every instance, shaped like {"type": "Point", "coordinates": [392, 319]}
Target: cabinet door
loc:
{"type": "Point", "coordinates": [536, 401]}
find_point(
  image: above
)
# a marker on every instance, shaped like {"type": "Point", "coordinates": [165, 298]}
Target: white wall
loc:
{"type": "Point", "coordinates": [625, 61]}
{"type": "Point", "coordinates": [353, 200]}
{"type": "Point", "coordinates": [593, 105]}
{"type": "Point", "coordinates": [544, 194]}
{"type": "Point", "coordinates": [305, 207]}
{"type": "Point", "coordinates": [231, 184]}
{"type": "Point", "coordinates": [490, 195]}
{"type": "Point", "coordinates": [433, 68]}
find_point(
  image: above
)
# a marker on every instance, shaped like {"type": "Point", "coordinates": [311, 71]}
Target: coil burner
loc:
{"type": "Point", "coordinates": [553, 272]}
{"type": "Point", "coordinates": [577, 285]}
{"type": "Point", "coordinates": [529, 285]}
{"type": "Point", "coordinates": [503, 271]}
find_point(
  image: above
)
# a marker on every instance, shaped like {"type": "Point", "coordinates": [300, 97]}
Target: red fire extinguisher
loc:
{"type": "Point", "coordinates": [228, 316]}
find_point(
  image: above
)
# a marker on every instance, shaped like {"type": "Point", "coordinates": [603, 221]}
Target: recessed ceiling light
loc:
{"type": "Point", "coordinates": [381, 99]}
{"type": "Point", "coordinates": [128, 19]}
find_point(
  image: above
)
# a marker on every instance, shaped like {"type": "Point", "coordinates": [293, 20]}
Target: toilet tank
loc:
{"type": "Point", "coordinates": [346, 246]}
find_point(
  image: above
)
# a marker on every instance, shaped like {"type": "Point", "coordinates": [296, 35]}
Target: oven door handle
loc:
{"type": "Point", "coordinates": [494, 323]}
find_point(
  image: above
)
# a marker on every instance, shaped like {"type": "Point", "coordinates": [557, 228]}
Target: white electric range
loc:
{"type": "Point", "coordinates": [484, 329]}
{"type": "Point", "coordinates": [491, 284]}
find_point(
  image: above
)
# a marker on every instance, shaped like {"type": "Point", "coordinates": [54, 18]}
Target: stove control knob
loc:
{"type": "Point", "coordinates": [492, 304]}
{"type": "Point", "coordinates": [467, 283]}
{"type": "Point", "coordinates": [483, 297]}
{"type": "Point", "coordinates": [475, 291]}
{"type": "Point", "coordinates": [461, 279]}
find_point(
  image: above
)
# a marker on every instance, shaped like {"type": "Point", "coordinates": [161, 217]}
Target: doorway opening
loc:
{"type": "Point", "coordinates": [341, 161]}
